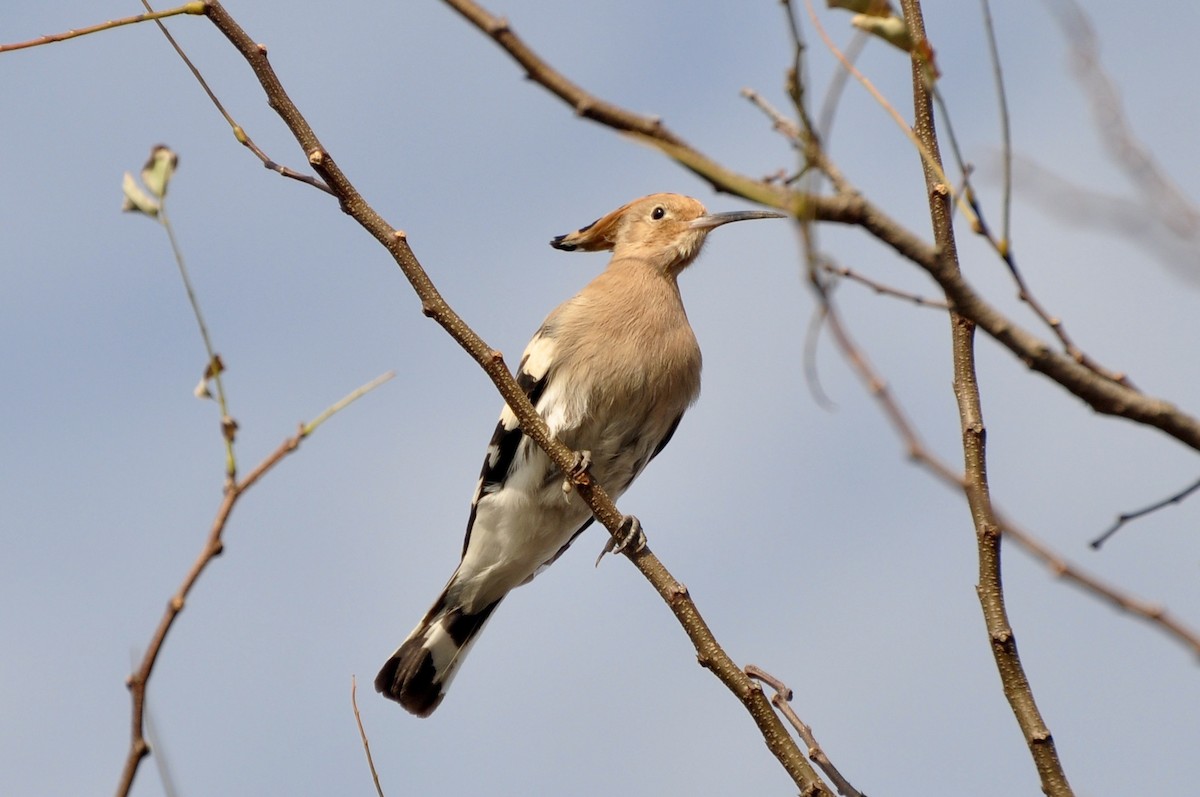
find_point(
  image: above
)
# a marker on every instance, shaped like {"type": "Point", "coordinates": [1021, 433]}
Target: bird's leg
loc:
{"type": "Point", "coordinates": [629, 535]}
{"type": "Point", "coordinates": [578, 472]}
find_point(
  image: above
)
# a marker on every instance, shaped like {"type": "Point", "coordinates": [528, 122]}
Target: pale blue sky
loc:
{"type": "Point", "coordinates": [810, 544]}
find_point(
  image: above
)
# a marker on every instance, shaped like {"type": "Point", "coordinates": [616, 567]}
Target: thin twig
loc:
{"type": "Point", "coordinates": [796, 81]}
{"type": "Point", "coordinates": [1125, 517]}
{"type": "Point", "coordinates": [782, 701]}
{"type": "Point", "coordinates": [238, 131]}
{"type": "Point", "coordinates": [346, 400]}
{"type": "Point", "coordinates": [139, 748]}
{"type": "Point", "coordinates": [196, 8]}
{"type": "Point", "coordinates": [989, 27]}
{"type": "Point", "coordinates": [881, 288]}
{"type": "Point", "coordinates": [213, 365]}
{"type": "Point", "coordinates": [779, 122]}
{"type": "Point", "coordinates": [363, 735]}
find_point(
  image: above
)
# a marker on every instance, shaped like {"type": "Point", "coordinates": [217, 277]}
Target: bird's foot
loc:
{"type": "Point", "coordinates": [629, 536]}
{"type": "Point", "coordinates": [578, 472]}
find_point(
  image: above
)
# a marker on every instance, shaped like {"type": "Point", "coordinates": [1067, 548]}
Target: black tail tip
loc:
{"type": "Point", "coordinates": [410, 683]}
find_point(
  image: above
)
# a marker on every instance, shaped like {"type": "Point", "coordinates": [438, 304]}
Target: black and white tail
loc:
{"type": "Point", "coordinates": [419, 672]}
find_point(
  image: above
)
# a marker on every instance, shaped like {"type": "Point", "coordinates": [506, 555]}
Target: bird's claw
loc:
{"type": "Point", "coordinates": [578, 471]}
{"type": "Point", "coordinates": [629, 536]}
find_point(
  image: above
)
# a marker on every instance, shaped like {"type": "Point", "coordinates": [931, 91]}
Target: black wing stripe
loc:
{"type": "Point", "coordinates": [502, 450]}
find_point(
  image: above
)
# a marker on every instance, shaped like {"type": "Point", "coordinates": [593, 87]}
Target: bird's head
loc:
{"type": "Point", "coordinates": [665, 230]}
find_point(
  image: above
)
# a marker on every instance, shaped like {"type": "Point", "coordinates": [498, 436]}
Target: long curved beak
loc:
{"type": "Point", "coordinates": [717, 219]}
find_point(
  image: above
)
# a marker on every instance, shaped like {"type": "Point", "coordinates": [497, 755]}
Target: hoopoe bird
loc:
{"type": "Point", "coordinates": [611, 371]}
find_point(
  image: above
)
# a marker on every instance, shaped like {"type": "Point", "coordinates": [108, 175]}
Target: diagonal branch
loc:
{"type": "Point", "coordinates": [709, 652]}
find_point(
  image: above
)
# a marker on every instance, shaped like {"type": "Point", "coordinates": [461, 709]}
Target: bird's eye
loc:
{"type": "Point", "coordinates": [658, 213]}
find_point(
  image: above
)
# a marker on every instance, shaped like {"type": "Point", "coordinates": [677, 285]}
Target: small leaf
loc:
{"type": "Point", "coordinates": [157, 172]}
{"type": "Point", "coordinates": [215, 366]}
{"type": "Point", "coordinates": [891, 29]}
{"type": "Point", "coordinates": [894, 31]}
{"type": "Point", "coordinates": [137, 200]}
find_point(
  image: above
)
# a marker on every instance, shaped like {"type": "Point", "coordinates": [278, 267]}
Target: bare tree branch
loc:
{"type": "Point", "coordinates": [709, 653]}
{"type": "Point", "coordinates": [214, 545]}
{"type": "Point", "coordinates": [966, 390]}
{"type": "Point", "coordinates": [1005, 128]}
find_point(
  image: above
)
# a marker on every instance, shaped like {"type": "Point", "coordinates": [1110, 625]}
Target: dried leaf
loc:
{"type": "Point", "coordinates": [215, 366]}
{"type": "Point", "coordinates": [229, 428]}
